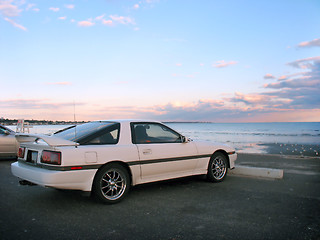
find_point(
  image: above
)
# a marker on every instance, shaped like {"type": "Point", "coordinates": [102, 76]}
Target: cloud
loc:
{"type": "Point", "coordinates": [285, 77]}
{"type": "Point", "coordinates": [33, 104]}
{"type": "Point", "coordinates": [114, 19]}
{"type": "Point", "coordinates": [62, 18]}
{"type": "Point", "coordinates": [151, 1]}
{"type": "Point", "coordinates": [312, 43]}
{"type": "Point", "coordinates": [294, 83]}
{"type": "Point", "coordinates": [54, 9]}
{"type": "Point", "coordinates": [302, 89]}
{"type": "Point", "coordinates": [15, 24]}
{"type": "Point", "coordinates": [269, 76]}
{"type": "Point", "coordinates": [304, 63]}
{"type": "Point", "coordinates": [87, 23]}
{"type": "Point", "coordinates": [222, 63]}
{"type": "Point", "coordinates": [122, 19]}
{"type": "Point", "coordinates": [7, 9]}
{"type": "Point", "coordinates": [59, 83]}
{"type": "Point", "coordinates": [69, 6]}
{"type": "Point", "coordinates": [99, 18]}
{"type": "Point", "coordinates": [30, 6]}
{"type": "Point", "coordinates": [250, 99]}
{"type": "Point", "coordinates": [107, 22]}
{"type": "Point", "coordinates": [209, 110]}
{"type": "Point", "coordinates": [136, 6]}
{"type": "Point", "coordinates": [293, 97]}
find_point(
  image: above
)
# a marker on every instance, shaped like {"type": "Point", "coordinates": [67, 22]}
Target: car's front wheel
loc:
{"type": "Point", "coordinates": [111, 183]}
{"type": "Point", "coordinates": [217, 168]}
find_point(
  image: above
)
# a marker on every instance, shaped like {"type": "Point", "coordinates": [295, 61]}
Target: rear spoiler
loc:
{"type": "Point", "coordinates": [50, 140]}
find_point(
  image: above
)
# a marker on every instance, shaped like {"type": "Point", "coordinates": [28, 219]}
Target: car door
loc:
{"type": "Point", "coordinates": [162, 151]}
{"type": "Point", "coordinates": [8, 144]}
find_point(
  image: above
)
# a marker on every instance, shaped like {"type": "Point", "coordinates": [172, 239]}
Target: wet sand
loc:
{"type": "Point", "coordinates": [304, 150]}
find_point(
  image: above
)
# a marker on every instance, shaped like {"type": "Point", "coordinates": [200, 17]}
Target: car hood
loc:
{"type": "Point", "coordinates": [50, 140]}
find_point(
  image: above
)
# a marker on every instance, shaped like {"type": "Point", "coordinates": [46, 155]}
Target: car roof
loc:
{"type": "Point", "coordinates": [127, 120]}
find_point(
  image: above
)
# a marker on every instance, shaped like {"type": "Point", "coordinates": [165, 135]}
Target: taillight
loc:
{"type": "Point", "coordinates": [51, 157]}
{"type": "Point", "coordinates": [21, 152]}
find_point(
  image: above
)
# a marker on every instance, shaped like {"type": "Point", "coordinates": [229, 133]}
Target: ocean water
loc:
{"type": "Point", "coordinates": [253, 137]}
{"type": "Point", "coordinates": [245, 137]}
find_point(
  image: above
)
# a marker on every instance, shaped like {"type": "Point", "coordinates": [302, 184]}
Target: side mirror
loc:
{"type": "Point", "coordinates": [185, 139]}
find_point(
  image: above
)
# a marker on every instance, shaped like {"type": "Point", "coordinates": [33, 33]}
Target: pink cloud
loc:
{"type": "Point", "coordinates": [269, 76]}
{"type": "Point", "coordinates": [60, 83]}
{"type": "Point", "coordinates": [223, 63]}
{"type": "Point", "coordinates": [285, 77]}
{"type": "Point", "coordinates": [9, 10]}
{"type": "Point", "coordinates": [107, 22]}
{"type": "Point", "coordinates": [54, 9]}
{"type": "Point", "coordinates": [122, 19]}
{"type": "Point", "coordinates": [69, 6]}
{"type": "Point", "coordinates": [312, 43]}
{"type": "Point", "coordinates": [294, 83]}
{"type": "Point", "coordinates": [34, 104]}
{"type": "Point", "coordinates": [86, 23]}
{"type": "Point", "coordinates": [99, 18]}
{"type": "Point", "coordinates": [30, 6]}
{"type": "Point", "coordinates": [253, 99]}
{"type": "Point", "coordinates": [304, 63]}
{"type": "Point", "coordinates": [15, 24]}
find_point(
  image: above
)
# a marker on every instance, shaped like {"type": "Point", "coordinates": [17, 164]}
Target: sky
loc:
{"type": "Point", "coordinates": [168, 60]}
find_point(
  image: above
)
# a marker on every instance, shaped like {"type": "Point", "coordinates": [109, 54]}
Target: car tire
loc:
{"type": "Point", "coordinates": [217, 168]}
{"type": "Point", "coordinates": [111, 183]}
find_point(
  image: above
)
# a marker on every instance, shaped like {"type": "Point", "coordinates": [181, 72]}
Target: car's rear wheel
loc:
{"type": "Point", "coordinates": [218, 167]}
{"type": "Point", "coordinates": [111, 183]}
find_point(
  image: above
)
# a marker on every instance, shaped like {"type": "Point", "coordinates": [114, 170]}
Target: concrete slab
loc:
{"type": "Point", "coordinates": [257, 172]}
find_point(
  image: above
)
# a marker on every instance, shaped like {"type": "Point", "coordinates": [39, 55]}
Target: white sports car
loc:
{"type": "Point", "coordinates": [107, 157]}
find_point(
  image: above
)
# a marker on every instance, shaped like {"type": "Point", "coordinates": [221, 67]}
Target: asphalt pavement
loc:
{"type": "Point", "coordinates": [188, 208]}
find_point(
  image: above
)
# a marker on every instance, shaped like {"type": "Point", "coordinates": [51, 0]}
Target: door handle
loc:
{"type": "Point", "coordinates": [146, 151]}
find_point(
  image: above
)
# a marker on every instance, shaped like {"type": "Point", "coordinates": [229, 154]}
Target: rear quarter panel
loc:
{"type": "Point", "coordinates": [100, 155]}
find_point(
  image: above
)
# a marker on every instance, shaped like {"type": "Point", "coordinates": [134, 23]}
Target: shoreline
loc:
{"type": "Point", "coordinates": [303, 150]}
{"type": "Point", "coordinates": [284, 149]}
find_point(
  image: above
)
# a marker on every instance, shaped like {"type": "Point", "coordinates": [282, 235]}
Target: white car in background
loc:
{"type": "Point", "coordinates": [8, 143]}
{"type": "Point", "coordinates": [108, 157]}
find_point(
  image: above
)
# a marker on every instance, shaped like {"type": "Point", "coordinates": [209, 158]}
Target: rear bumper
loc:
{"type": "Point", "coordinates": [76, 179]}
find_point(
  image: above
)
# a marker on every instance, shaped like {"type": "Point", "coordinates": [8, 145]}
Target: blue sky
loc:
{"type": "Point", "coordinates": [220, 61]}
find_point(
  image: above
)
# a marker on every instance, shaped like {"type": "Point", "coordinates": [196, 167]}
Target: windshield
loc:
{"type": "Point", "coordinates": [78, 132]}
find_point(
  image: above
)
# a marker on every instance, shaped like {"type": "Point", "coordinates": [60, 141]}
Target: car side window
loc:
{"type": "Point", "coordinates": [154, 133]}
{"type": "Point", "coordinates": [109, 136]}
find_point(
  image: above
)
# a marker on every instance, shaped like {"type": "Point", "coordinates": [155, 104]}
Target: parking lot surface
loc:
{"type": "Point", "coordinates": [188, 208]}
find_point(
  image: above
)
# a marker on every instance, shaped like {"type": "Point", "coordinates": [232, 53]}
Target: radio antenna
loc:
{"type": "Point", "coordinates": [74, 120]}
